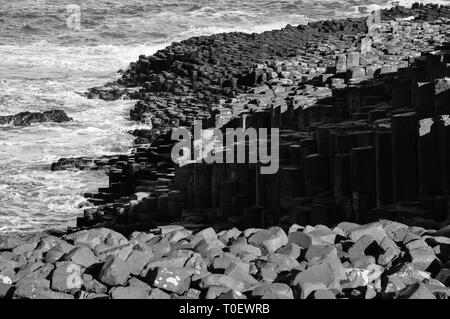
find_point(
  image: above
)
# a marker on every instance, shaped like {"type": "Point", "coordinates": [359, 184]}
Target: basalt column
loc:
{"type": "Point", "coordinates": [384, 182]}
{"type": "Point", "coordinates": [202, 185]}
{"type": "Point", "coordinates": [405, 156]}
{"type": "Point", "coordinates": [342, 185]}
{"type": "Point", "coordinates": [429, 158]}
{"type": "Point", "coordinates": [363, 181]}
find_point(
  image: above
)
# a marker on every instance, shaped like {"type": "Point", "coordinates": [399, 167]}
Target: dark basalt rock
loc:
{"type": "Point", "coordinates": [28, 118]}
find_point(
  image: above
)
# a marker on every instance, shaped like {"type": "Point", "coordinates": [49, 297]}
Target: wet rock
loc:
{"type": "Point", "coordinates": [28, 118]}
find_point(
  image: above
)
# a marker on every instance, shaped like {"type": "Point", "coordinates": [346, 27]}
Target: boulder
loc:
{"type": "Point", "coordinates": [66, 277]}
{"type": "Point", "coordinates": [444, 277]}
{"type": "Point", "coordinates": [422, 257]}
{"type": "Point", "coordinates": [221, 281]}
{"type": "Point", "coordinates": [121, 251]}
{"type": "Point", "coordinates": [25, 249]}
{"type": "Point", "coordinates": [95, 286]}
{"type": "Point", "coordinates": [175, 280]}
{"type": "Point", "coordinates": [273, 291]}
{"type": "Point", "coordinates": [318, 254]}
{"type": "Point", "coordinates": [158, 294]}
{"type": "Point", "coordinates": [324, 294]}
{"type": "Point", "coordinates": [363, 246]}
{"type": "Point", "coordinates": [416, 291]}
{"type": "Point", "coordinates": [82, 256]}
{"type": "Point", "coordinates": [303, 240]}
{"type": "Point", "coordinates": [28, 118]}
{"type": "Point", "coordinates": [291, 250]}
{"type": "Point", "coordinates": [214, 292]}
{"type": "Point", "coordinates": [37, 289]}
{"type": "Point", "coordinates": [6, 290]}
{"type": "Point", "coordinates": [269, 240]}
{"type": "Point", "coordinates": [137, 261]}
{"type": "Point", "coordinates": [114, 272]}
{"type": "Point", "coordinates": [96, 236]}
{"type": "Point", "coordinates": [54, 254]}
{"type": "Point", "coordinates": [282, 262]}
{"type": "Point", "coordinates": [223, 261]}
{"type": "Point", "coordinates": [375, 230]}
{"type": "Point", "coordinates": [237, 272]}
{"type": "Point", "coordinates": [316, 277]}
{"type": "Point", "coordinates": [207, 234]}
{"type": "Point", "coordinates": [227, 235]}
{"type": "Point", "coordinates": [232, 294]}
{"type": "Point", "coordinates": [245, 252]}
{"type": "Point", "coordinates": [9, 242]}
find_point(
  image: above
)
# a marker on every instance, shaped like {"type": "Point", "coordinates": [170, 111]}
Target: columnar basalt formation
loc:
{"type": "Point", "coordinates": [359, 139]}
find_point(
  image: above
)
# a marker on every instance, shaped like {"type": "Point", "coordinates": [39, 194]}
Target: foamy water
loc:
{"type": "Point", "coordinates": [43, 64]}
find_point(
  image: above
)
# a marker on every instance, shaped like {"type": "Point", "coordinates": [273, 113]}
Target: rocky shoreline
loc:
{"type": "Point", "coordinates": [362, 106]}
